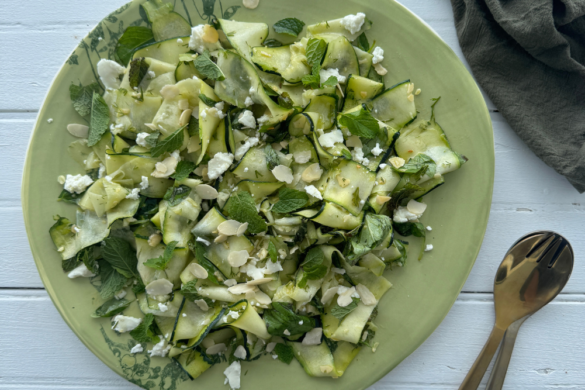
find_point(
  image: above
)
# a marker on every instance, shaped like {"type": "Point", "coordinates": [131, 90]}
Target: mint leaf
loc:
{"type": "Point", "coordinates": [362, 42]}
{"type": "Point", "coordinates": [435, 101]}
{"type": "Point", "coordinates": [132, 39]}
{"type": "Point", "coordinates": [315, 51]}
{"type": "Point", "coordinates": [161, 262]}
{"type": "Point", "coordinates": [284, 352]}
{"type": "Point", "coordinates": [111, 308]}
{"type": "Point", "coordinates": [360, 123]}
{"type": "Point", "coordinates": [183, 170]}
{"type": "Point", "coordinates": [207, 101]}
{"type": "Point", "coordinates": [406, 229]}
{"type": "Point", "coordinates": [89, 257]}
{"type": "Point", "coordinates": [272, 160]}
{"type": "Point", "coordinates": [111, 280]}
{"type": "Point", "coordinates": [372, 233]}
{"type": "Point", "coordinates": [81, 96]}
{"type": "Point", "coordinates": [189, 291]}
{"type": "Point", "coordinates": [341, 312]}
{"type": "Point", "coordinates": [272, 43]}
{"type": "Point", "coordinates": [175, 195]}
{"type": "Point", "coordinates": [242, 208]}
{"type": "Point", "coordinates": [312, 80]}
{"type": "Point", "coordinates": [143, 332]}
{"type": "Point", "coordinates": [330, 82]}
{"type": "Point", "coordinates": [137, 72]}
{"type": "Point", "coordinates": [193, 128]}
{"type": "Point", "coordinates": [289, 26]}
{"type": "Point", "coordinates": [100, 119]}
{"type": "Point", "coordinates": [200, 252]}
{"type": "Point", "coordinates": [152, 139]}
{"type": "Point", "coordinates": [208, 68]}
{"type": "Point", "coordinates": [290, 200]}
{"type": "Point", "coordinates": [169, 144]}
{"type": "Point", "coordinates": [272, 252]}
{"type": "Point", "coordinates": [282, 317]}
{"type": "Point", "coordinates": [120, 255]}
{"type": "Point", "coordinates": [313, 267]}
{"type": "Point", "coordinates": [418, 163]}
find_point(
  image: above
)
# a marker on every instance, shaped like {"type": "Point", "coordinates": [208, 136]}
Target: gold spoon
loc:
{"type": "Point", "coordinates": [533, 272]}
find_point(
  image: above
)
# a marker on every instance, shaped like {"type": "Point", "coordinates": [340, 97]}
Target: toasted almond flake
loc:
{"type": "Point", "coordinates": [262, 298]}
{"type": "Point", "coordinates": [241, 288]}
{"type": "Point", "coordinates": [238, 258]}
{"type": "Point", "coordinates": [159, 287]}
{"type": "Point", "coordinates": [230, 282]}
{"type": "Point", "coordinates": [185, 117]}
{"type": "Point", "coordinates": [397, 162]}
{"type": "Point", "coordinates": [250, 295]}
{"type": "Point", "coordinates": [312, 173]}
{"type": "Point", "coordinates": [216, 349]}
{"type": "Point", "coordinates": [77, 130]}
{"type": "Point", "coordinates": [345, 298]}
{"type": "Point", "coordinates": [183, 104]}
{"type": "Point", "coordinates": [410, 98]}
{"type": "Point", "coordinates": [242, 229]}
{"type": "Point", "coordinates": [380, 69]}
{"type": "Point", "coordinates": [410, 88]}
{"type": "Point", "coordinates": [276, 146]}
{"type": "Point", "coordinates": [325, 369]}
{"type": "Point", "coordinates": [251, 4]}
{"type": "Point", "coordinates": [202, 304]}
{"type": "Point", "coordinates": [221, 238]}
{"type": "Point", "coordinates": [169, 91]}
{"type": "Point", "coordinates": [283, 173]}
{"type": "Point", "coordinates": [229, 227]}
{"type": "Point", "coordinates": [328, 295]}
{"type": "Point", "coordinates": [416, 207]}
{"type": "Point", "coordinates": [354, 142]}
{"type": "Point", "coordinates": [284, 144]}
{"type": "Point", "coordinates": [417, 92]}
{"type": "Point", "coordinates": [210, 34]}
{"type": "Point", "coordinates": [366, 295]}
{"type": "Point", "coordinates": [313, 337]}
{"type": "Point", "coordinates": [205, 191]}
{"type": "Point", "coordinates": [270, 347]}
{"type": "Point", "coordinates": [381, 199]}
{"type": "Point", "coordinates": [154, 239]}
{"type": "Point", "coordinates": [256, 282]}
{"type": "Point", "coordinates": [342, 181]}
{"type": "Point", "coordinates": [198, 271]}
{"type": "Point", "coordinates": [363, 94]}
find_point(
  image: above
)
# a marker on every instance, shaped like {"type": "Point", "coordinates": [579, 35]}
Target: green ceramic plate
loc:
{"type": "Point", "coordinates": [423, 291]}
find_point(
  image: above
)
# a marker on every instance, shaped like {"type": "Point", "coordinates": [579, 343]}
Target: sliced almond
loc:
{"type": "Point", "coordinates": [242, 229]}
{"type": "Point", "coordinates": [230, 282]}
{"type": "Point", "coordinates": [77, 130]}
{"type": "Point", "coordinates": [251, 4]}
{"type": "Point", "coordinates": [381, 199]}
{"type": "Point", "coordinates": [229, 227]}
{"type": "Point", "coordinates": [238, 258]}
{"type": "Point", "coordinates": [210, 34]}
{"type": "Point", "coordinates": [283, 173]}
{"type": "Point", "coordinates": [410, 88]}
{"type": "Point", "coordinates": [159, 287]}
{"type": "Point", "coordinates": [257, 282]}
{"type": "Point", "coordinates": [185, 117]}
{"type": "Point", "coordinates": [221, 238]}
{"type": "Point", "coordinates": [198, 271]}
{"type": "Point", "coordinates": [397, 162]}
{"type": "Point", "coordinates": [328, 295]}
{"type": "Point", "coordinates": [410, 98]}
{"type": "Point", "coordinates": [262, 298]}
{"type": "Point", "coordinates": [202, 304]}
{"type": "Point", "coordinates": [342, 181]}
{"type": "Point", "coordinates": [416, 207]}
{"type": "Point", "coordinates": [241, 288]}
{"type": "Point", "coordinates": [205, 191]}
{"type": "Point", "coordinates": [169, 91]}
{"type": "Point", "coordinates": [154, 239]}
{"type": "Point", "coordinates": [312, 173]}
{"type": "Point", "coordinates": [366, 295]}
{"type": "Point", "coordinates": [380, 69]}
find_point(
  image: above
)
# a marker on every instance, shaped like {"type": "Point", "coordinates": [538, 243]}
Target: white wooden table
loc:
{"type": "Point", "coordinates": [38, 351]}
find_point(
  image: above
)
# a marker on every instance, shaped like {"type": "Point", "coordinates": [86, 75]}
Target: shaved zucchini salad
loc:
{"type": "Point", "coordinates": [243, 195]}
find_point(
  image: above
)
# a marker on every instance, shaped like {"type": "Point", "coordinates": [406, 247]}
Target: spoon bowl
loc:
{"type": "Point", "coordinates": [534, 271]}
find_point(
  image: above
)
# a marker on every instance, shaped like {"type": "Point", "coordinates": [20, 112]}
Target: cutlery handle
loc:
{"type": "Point", "coordinates": [498, 374]}
{"type": "Point", "coordinates": [477, 371]}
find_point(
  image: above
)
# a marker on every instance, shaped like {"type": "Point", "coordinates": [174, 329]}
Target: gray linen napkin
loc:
{"type": "Point", "coordinates": [529, 57]}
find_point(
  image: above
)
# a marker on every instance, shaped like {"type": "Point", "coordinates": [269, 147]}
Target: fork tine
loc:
{"type": "Point", "coordinates": [538, 248]}
{"type": "Point", "coordinates": [561, 247]}
{"type": "Point", "coordinates": [548, 253]}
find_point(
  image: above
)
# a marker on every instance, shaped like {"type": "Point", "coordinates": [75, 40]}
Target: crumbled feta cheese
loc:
{"type": "Point", "coordinates": [109, 72]}
{"type": "Point", "coordinates": [151, 74]}
{"type": "Point", "coordinates": [415, 207]}
{"type": "Point", "coordinates": [272, 268]}
{"type": "Point", "coordinates": [353, 23]}
{"type": "Point", "coordinates": [314, 192]}
{"type": "Point", "coordinates": [249, 102]}
{"type": "Point", "coordinates": [179, 40]}
{"type": "Point", "coordinates": [429, 228]}
{"type": "Point", "coordinates": [303, 156]}
{"type": "Point", "coordinates": [377, 150]}
{"type": "Point", "coordinates": [382, 166]}
{"type": "Point", "coordinates": [144, 183]}
{"type": "Point", "coordinates": [219, 164]}
{"type": "Point", "coordinates": [262, 120]}
{"type": "Point", "coordinates": [124, 324]}
{"type": "Point", "coordinates": [358, 155]}
{"type": "Point", "coordinates": [339, 271]}
{"type": "Point", "coordinates": [329, 140]}
{"type": "Point", "coordinates": [243, 149]}
{"type": "Point", "coordinates": [141, 139]}
{"type": "Point", "coordinates": [167, 167]}
{"type": "Point", "coordinates": [286, 332]}
{"type": "Point", "coordinates": [161, 349]}
{"type": "Point", "coordinates": [346, 295]}
{"type": "Point", "coordinates": [77, 184]}
{"type": "Point", "coordinates": [324, 74]}
{"type": "Point", "coordinates": [378, 55]}
{"type": "Point", "coordinates": [402, 215]}
{"type": "Point", "coordinates": [134, 194]}
{"type": "Point", "coordinates": [81, 271]}
{"type": "Point", "coordinates": [232, 374]}
{"type": "Point", "coordinates": [313, 337]}
{"type": "Point", "coordinates": [162, 307]}
{"type": "Point", "coordinates": [101, 171]}
{"type": "Point", "coordinates": [50, 120]}
{"type": "Point", "coordinates": [247, 119]}
{"type": "Point", "coordinates": [120, 294]}
{"type": "Point", "coordinates": [197, 43]}
{"type": "Point", "coordinates": [283, 173]}
{"type": "Point", "coordinates": [137, 349]}
{"type": "Point", "coordinates": [429, 247]}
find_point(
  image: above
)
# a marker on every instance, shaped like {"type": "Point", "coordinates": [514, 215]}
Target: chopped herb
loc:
{"type": "Point", "coordinates": [175, 195]}
{"type": "Point", "coordinates": [242, 208]}
{"type": "Point", "coordinates": [356, 197]}
{"type": "Point", "coordinates": [152, 139]}
{"type": "Point", "coordinates": [81, 96]}
{"type": "Point", "coordinates": [161, 262]}
{"type": "Point", "coordinates": [313, 267]}
{"type": "Point", "coordinates": [189, 291]}
{"type": "Point", "coordinates": [183, 170]}
{"type": "Point", "coordinates": [272, 160]}
{"type": "Point", "coordinates": [193, 128]}
{"type": "Point", "coordinates": [289, 26]}
{"type": "Point", "coordinates": [272, 252]}
{"type": "Point", "coordinates": [143, 332]}
{"type": "Point", "coordinates": [272, 43]}
{"type": "Point", "coordinates": [290, 200]}
{"type": "Point", "coordinates": [372, 233]}
{"type": "Point", "coordinates": [207, 101]}
{"type": "Point", "coordinates": [111, 280]}
{"type": "Point", "coordinates": [362, 42]}
{"type": "Point", "coordinates": [207, 68]}
{"type": "Point", "coordinates": [360, 123]}
{"type": "Point", "coordinates": [435, 101]}
{"type": "Point", "coordinates": [100, 119]}
{"type": "Point", "coordinates": [111, 308]}
{"type": "Point", "coordinates": [169, 144]}
{"type": "Point", "coordinates": [406, 229]}
{"type": "Point", "coordinates": [284, 352]}
{"type": "Point", "coordinates": [199, 250]}
{"type": "Point", "coordinates": [282, 317]}
{"type": "Point", "coordinates": [133, 38]}
{"type": "Point", "coordinates": [138, 70]}
{"type": "Point", "coordinates": [341, 312]}
{"type": "Point", "coordinates": [331, 82]}
{"type": "Point", "coordinates": [258, 174]}
{"type": "Point", "coordinates": [120, 255]}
